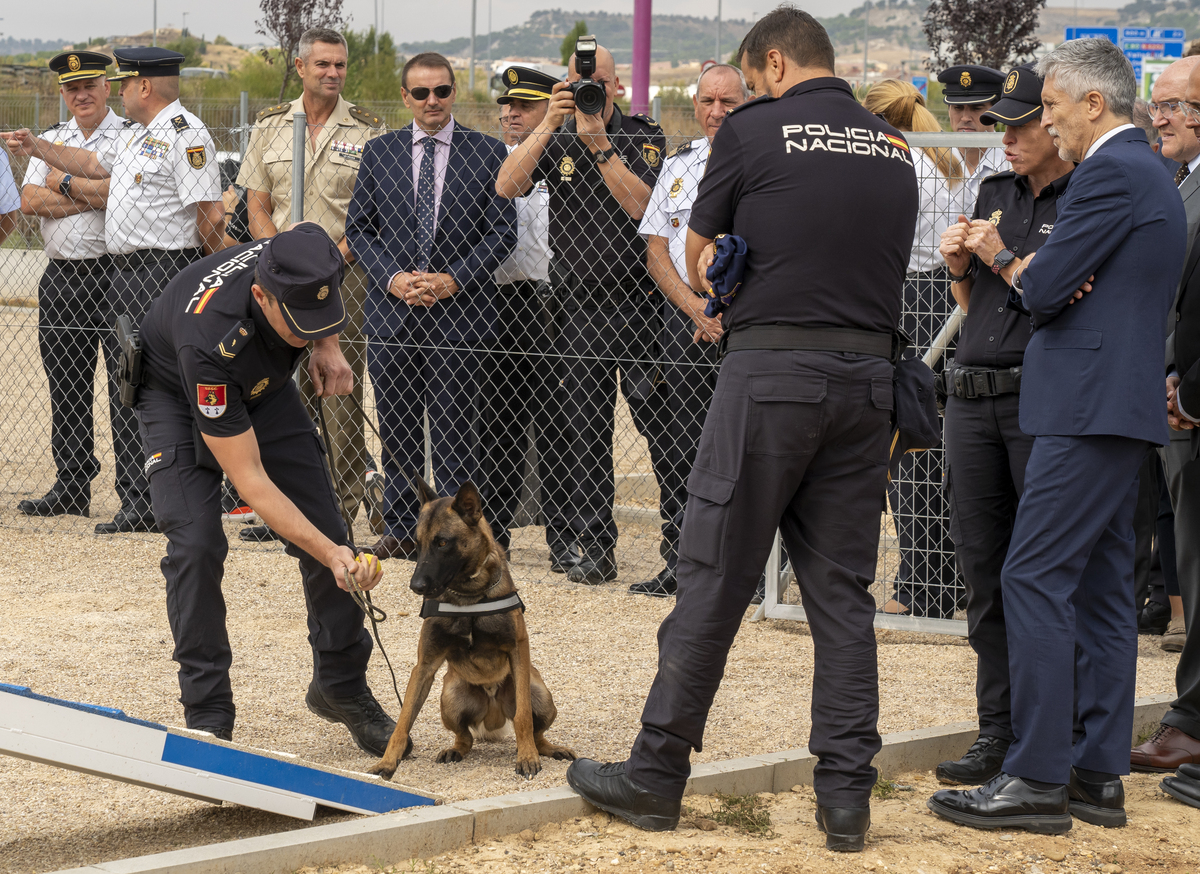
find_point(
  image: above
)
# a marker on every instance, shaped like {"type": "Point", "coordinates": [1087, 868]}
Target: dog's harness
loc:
{"type": "Point", "coordinates": [487, 607]}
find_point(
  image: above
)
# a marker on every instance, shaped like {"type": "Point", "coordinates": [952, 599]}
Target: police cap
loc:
{"type": "Point", "coordinates": [146, 61]}
{"type": "Point", "coordinates": [970, 83]}
{"type": "Point", "coordinates": [1021, 100]}
{"type": "Point", "coordinates": [303, 268]}
{"type": "Point", "coordinates": [79, 65]}
{"type": "Point", "coordinates": [524, 83]}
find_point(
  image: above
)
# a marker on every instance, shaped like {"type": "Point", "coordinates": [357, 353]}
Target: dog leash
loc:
{"type": "Point", "coordinates": [361, 598]}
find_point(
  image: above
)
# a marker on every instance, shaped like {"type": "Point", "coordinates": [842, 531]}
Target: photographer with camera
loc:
{"type": "Point", "coordinates": [599, 166]}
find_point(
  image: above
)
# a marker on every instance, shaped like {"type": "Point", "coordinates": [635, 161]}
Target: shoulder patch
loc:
{"type": "Point", "coordinates": [237, 338]}
{"type": "Point", "coordinates": [366, 116]}
{"type": "Point", "coordinates": [645, 119]}
{"type": "Point", "coordinates": [180, 123]}
{"type": "Point", "coordinates": [277, 109]}
{"type": "Point", "coordinates": [680, 150]}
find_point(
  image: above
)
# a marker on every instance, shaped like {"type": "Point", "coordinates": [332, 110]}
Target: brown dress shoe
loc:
{"type": "Point", "coordinates": [1175, 636]}
{"type": "Point", "coordinates": [1166, 750]}
{"type": "Point", "coordinates": [391, 547]}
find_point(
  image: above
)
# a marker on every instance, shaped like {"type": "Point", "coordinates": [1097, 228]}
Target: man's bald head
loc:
{"type": "Point", "coordinates": [1174, 79]}
{"type": "Point", "coordinates": [604, 63]}
{"type": "Point", "coordinates": [1171, 88]}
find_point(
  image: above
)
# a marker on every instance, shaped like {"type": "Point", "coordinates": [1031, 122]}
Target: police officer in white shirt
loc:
{"type": "Point", "coordinates": [71, 294]}
{"type": "Point", "coordinates": [689, 336]}
{"type": "Point", "coordinates": [969, 91]}
{"type": "Point", "coordinates": [10, 199]}
{"type": "Point", "coordinates": [164, 205]}
{"type": "Point", "coordinates": [521, 387]}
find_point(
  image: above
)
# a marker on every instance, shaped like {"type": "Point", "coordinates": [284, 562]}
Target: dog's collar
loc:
{"type": "Point", "coordinates": [487, 607]}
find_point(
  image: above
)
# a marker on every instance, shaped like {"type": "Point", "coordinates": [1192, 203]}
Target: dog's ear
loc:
{"type": "Point", "coordinates": [468, 505]}
{"type": "Point", "coordinates": [425, 491]}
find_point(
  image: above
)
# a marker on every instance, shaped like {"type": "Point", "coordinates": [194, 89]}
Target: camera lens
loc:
{"type": "Point", "coordinates": [589, 97]}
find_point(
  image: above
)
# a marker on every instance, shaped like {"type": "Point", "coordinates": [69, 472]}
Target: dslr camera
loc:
{"type": "Point", "coordinates": [589, 95]}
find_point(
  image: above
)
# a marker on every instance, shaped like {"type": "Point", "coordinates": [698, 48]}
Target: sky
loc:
{"type": "Point", "coordinates": [235, 18]}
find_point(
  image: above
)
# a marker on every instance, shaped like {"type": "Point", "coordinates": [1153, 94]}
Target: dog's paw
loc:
{"type": "Point", "coordinates": [383, 769]}
{"type": "Point", "coordinates": [563, 754]}
{"type": "Point", "coordinates": [529, 768]}
{"type": "Point", "coordinates": [448, 757]}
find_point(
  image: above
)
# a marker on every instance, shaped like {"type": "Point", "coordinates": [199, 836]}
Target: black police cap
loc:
{"type": "Point", "coordinates": [146, 61]}
{"type": "Point", "coordinates": [79, 65]}
{"type": "Point", "coordinates": [970, 83]}
{"type": "Point", "coordinates": [524, 83]}
{"type": "Point", "coordinates": [1021, 100]}
{"type": "Point", "coordinates": [303, 268]}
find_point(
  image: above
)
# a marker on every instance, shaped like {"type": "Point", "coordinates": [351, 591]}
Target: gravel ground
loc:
{"type": "Point", "coordinates": [83, 618]}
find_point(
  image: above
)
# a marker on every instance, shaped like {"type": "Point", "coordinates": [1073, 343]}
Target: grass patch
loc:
{"type": "Point", "coordinates": [884, 789]}
{"type": "Point", "coordinates": [746, 813]}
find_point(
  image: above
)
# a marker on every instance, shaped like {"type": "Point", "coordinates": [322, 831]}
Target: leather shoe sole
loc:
{"type": "Point", "coordinates": [1099, 803]}
{"type": "Point", "coordinates": [1182, 789]}
{"type": "Point", "coordinates": [1040, 823]}
{"type": "Point", "coordinates": [56, 505]}
{"type": "Point", "coordinates": [845, 828]}
{"type": "Point", "coordinates": [329, 710]}
{"type": "Point", "coordinates": [127, 525]}
{"type": "Point", "coordinates": [225, 734]}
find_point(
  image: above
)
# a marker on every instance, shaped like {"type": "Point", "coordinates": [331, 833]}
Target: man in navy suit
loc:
{"type": "Point", "coordinates": [426, 223]}
{"type": "Point", "coordinates": [1091, 397]}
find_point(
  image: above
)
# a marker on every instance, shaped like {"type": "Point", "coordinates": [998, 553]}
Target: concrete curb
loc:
{"type": "Point", "coordinates": [428, 831]}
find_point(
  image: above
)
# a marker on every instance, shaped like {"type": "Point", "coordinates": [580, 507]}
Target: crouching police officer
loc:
{"type": "Point", "coordinates": [797, 434]}
{"type": "Point", "coordinates": [218, 349]}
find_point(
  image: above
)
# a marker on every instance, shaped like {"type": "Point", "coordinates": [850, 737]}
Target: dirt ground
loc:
{"type": "Point", "coordinates": [905, 838]}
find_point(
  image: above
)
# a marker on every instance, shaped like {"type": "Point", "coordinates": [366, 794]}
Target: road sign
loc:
{"type": "Point", "coordinates": [1111, 34]}
{"type": "Point", "coordinates": [1152, 33]}
{"type": "Point", "coordinates": [921, 83]}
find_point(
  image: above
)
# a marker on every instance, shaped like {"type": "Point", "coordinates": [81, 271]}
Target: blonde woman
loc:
{"type": "Point", "coordinates": [926, 582]}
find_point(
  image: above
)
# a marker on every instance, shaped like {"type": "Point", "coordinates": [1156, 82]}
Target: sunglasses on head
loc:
{"type": "Point", "coordinates": [441, 92]}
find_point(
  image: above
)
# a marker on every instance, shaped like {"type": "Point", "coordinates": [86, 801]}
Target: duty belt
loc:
{"type": "Point", "coordinates": [796, 338]}
{"type": "Point", "coordinates": [150, 381]}
{"type": "Point", "coordinates": [143, 257]}
{"type": "Point", "coordinates": [980, 382]}
{"type": "Point", "coordinates": [101, 264]}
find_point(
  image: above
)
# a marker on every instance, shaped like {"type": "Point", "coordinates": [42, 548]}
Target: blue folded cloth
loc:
{"type": "Point", "coordinates": [725, 273]}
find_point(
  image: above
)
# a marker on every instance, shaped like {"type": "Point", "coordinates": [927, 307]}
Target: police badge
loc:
{"type": "Point", "coordinates": [650, 154]}
{"type": "Point", "coordinates": [197, 157]}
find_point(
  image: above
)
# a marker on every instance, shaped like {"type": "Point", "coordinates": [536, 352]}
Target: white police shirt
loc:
{"type": "Point", "coordinates": [161, 172]}
{"type": "Point", "coordinates": [10, 197]}
{"type": "Point", "coordinates": [992, 162]}
{"type": "Point", "coordinates": [530, 260]}
{"type": "Point", "coordinates": [81, 235]}
{"type": "Point", "coordinates": [671, 200]}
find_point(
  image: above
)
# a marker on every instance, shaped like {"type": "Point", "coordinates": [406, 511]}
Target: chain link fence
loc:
{"type": "Point", "coordinates": [558, 376]}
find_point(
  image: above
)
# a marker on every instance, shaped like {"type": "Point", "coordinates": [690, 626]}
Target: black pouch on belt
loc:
{"type": "Point", "coordinates": [917, 425]}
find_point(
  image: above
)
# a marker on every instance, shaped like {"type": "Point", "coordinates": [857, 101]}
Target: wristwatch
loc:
{"type": "Point", "coordinates": [1003, 258]}
{"type": "Point", "coordinates": [64, 185]}
{"type": "Point", "coordinates": [602, 157]}
{"type": "Point", "coordinates": [956, 278]}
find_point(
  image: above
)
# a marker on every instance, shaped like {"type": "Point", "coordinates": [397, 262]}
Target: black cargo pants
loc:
{"type": "Point", "coordinates": [798, 441]}
{"type": "Point", "coordinates": [187, 507]}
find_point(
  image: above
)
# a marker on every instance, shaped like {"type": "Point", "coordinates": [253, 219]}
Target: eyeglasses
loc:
{"type": "Point", "coordinates": [1166, 110]}
{"type": "Point", "coordinates": [441, 92]}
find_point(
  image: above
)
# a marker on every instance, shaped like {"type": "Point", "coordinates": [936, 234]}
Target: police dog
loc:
{"type": "Point", "coordinates": [490, 679]}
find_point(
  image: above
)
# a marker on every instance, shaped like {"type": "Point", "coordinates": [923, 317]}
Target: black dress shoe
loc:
{"type": "Point", "coordinates": [607, 787]}
{"type": "Point", "coordinates": [1184, 785]}
{"type": "Point", "coordinates": [979, 764]}
{"type": "Point", "coordinates": [845, 828]}
{"type": "Point", "coordinates": [388, 546]}
{"type": "Point", "coordinates": [1189, 770]}
{"type": "Point", "coordinates": [563, 557]}
{"type": "Point", "coordinates": [662, 586]}
{"type": "Point", "coordinates": [370, 727]}
{"type": "Point", "coordinates": [1154, 618]}
{"type": "Point", "coordinates": [60, 501]}
{"type": "Point", "coordinates": [130, 518]}
{"type": "Point", "coordinates": [1006, 802]}
{"type": "Point", "coordinates": [225, 734]}
{"type": "Point", "coordinates": [258, 534]}
{"type": "Point", "coordinates": [594, 568]}
{"type": "Point", "coordinates": [1100, 802]}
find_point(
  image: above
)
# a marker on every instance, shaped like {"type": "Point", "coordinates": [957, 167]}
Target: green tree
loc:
{"type": "Point", "coordinates": [371, 77]}
{"type": "Point", "coordinates": [191, 48]}
{"type": "Point", "coordinates": [286, 20]}
{"type": "Point", "coordinates": [568, 43]}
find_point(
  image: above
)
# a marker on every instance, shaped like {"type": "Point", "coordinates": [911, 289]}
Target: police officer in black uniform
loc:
{"type": "Point", "coordinates": [986, 451]}
{"type": "Point", "coordinates": [798, 433]}
{"type": "Point", "coordinates": [600, 169]}
{"type": "Point", "coordinates": [220, 346]}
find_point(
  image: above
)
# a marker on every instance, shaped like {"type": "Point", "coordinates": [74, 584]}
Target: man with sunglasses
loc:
{"type": "Point", "coordinates": [337, 133]}
{"type": "Point", "coordinates": [430, 230]}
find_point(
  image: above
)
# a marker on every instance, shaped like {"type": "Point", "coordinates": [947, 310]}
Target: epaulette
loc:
{"type": "Point", "coordinates": [56, 126]}
{"type": "Point", "coordinates": [757, 101]}
{"type": "Point", "coordinates": [366, 116]}
{"type": "Point", "coordinates": [237, 338]}
{"type": "Point", "coordinates": [180, 123]}
{"type": "Point", "coordinates": [642, 117]}
{"type": "Point", "coordinates": [998, 175]}
{"type": "Point", "coordinates": [680, 150]}
{"type": "Point", "coordinates": [127, 123]}
{"type": "Point", "coordinates": [277, 109]}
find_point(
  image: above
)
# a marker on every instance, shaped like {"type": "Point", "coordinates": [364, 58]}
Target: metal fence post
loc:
{"type": "Point", "coordinates": [63, 115]}
{"type": "Point", "coordinates": [244, 125]}
{"type": "Point", "coordinates": [656, 109]}
{"type": "Point", "coordinates": [299, 132]}
{"type": "Point", "coordinates": [37, 113]}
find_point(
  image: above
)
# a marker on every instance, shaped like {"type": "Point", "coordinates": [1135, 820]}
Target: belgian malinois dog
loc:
{"type": "Point", "coordinates": [463, 576]}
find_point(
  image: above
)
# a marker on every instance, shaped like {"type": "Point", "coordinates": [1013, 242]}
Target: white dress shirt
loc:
{"type": "Point", "coordinates": [671, 200]}
{"type": "Point", "coordinates": [939, 206]}
{"type": "Point", "coordinates": [530, 260]}
{"type": "Point", "coordinates": [991, 162]}
{"type": "Point", "coordinates": [10, 197]}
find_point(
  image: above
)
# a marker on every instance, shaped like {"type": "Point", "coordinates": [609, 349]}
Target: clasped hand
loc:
{"type": "Point", "coordinates": [417, 288]}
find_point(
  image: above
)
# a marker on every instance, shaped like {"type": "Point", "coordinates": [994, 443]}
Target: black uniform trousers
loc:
{"type": "Point", "coordinates": [519, 389]}
{"type": "Point", "coordinates": [417, 372]}
{"type": "Point", "coordinates": [796, 441]}
{"type": "Point", "coordinates": [986, 455]}
{"type": "Point", "coordinates": [594, 344]}
{"type": "Point", "coordinates": [927, 581]}
{"type": "Point", "coordinates": [690, 372]}
{"type": "Point", "coordinates": [71, 326]}
{"type": "Point", "coordinates": [1068, 608]}
{"type": "Point", "coordinates": [187, 507]}
{"type": "Point", "coordinates": [135, 282]}
{"type": "Point", "coordinates": [1183, 481]}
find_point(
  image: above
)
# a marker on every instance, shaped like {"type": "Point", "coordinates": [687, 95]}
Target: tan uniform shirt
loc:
{"type": "Point", "coordinates": [329, 169]}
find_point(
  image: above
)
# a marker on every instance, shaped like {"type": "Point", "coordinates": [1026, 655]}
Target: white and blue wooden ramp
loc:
{"type": "Point", "coordinates": [105, 742]}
